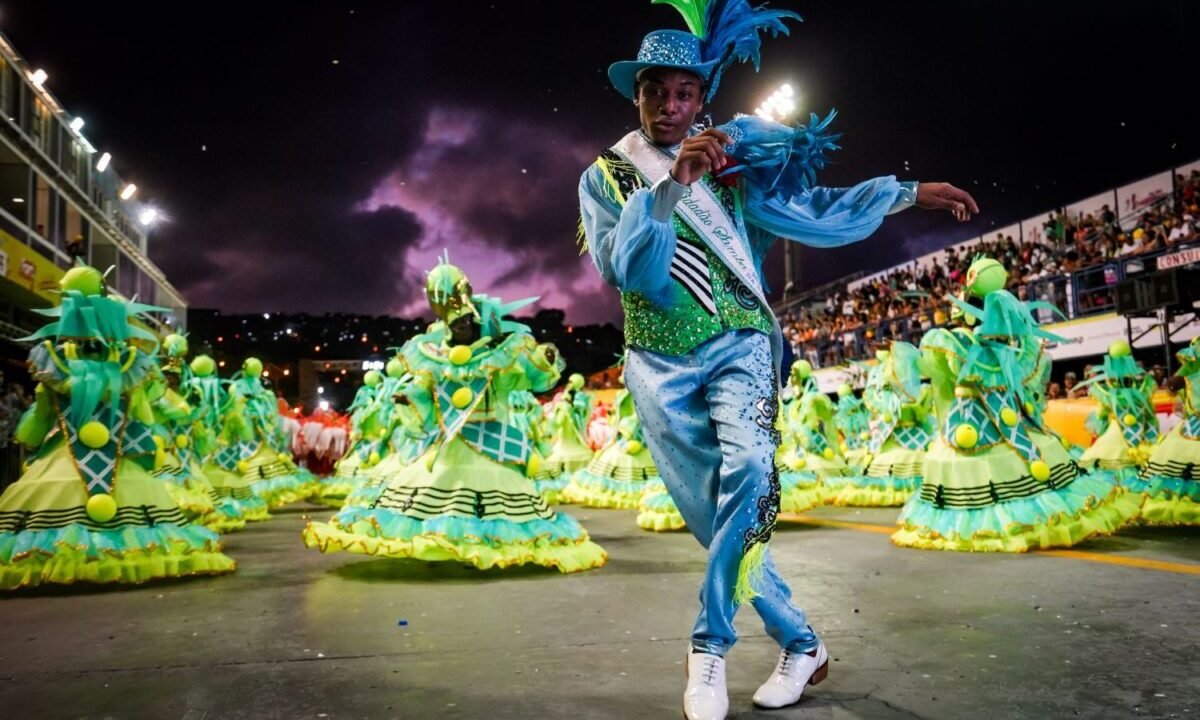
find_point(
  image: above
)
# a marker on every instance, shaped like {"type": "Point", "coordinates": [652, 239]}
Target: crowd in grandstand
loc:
{"type": "Point", "coordinates": [851, 323]}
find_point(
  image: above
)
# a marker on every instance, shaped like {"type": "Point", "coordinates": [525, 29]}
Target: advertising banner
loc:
{"type": "Point", "coordinates": [1135, 198]}
{"type": "Point", "coordinates": [27, 268]}
{"type": "Point", "coordinates": [1093, 206]}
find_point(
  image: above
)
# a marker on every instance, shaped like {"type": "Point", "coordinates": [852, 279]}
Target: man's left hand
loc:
{"type": "Point", "coordinates": [944, 196]}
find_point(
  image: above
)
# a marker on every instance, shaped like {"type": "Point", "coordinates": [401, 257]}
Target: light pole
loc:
{"type": "Point", "coordinates": [780, 106]}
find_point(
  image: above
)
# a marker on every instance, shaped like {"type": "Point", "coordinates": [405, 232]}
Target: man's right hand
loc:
{"type": "Point", "coordinates": [700, 154]}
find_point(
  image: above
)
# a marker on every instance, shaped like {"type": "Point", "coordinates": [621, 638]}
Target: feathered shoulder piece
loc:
{"type": "Point", "coordinates": [729, 31]}
{"type": "Point", "coordinates": [779, 160]}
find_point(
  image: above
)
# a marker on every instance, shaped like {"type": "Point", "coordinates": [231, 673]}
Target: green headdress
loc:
{"type": "Point", "coordinates": [87, 320]}
{"type": "Point", "coordinates": [449, 292]}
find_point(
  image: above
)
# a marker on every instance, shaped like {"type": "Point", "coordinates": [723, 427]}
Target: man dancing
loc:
{"type": "Point", "coordinates": [679, 219]}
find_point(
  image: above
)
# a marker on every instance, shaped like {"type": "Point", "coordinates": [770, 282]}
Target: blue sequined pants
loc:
{"type": "Point", "coordinates": [708, 418]}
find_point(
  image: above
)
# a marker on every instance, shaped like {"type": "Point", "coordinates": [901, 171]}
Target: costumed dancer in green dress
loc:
{"type": "Point", "coordinates": [900, 407]}
{"type": "Point", "coordinates": [467, 498]}
{"type": "Point", "coordinates": [810, 454]}
{"type": "Point", "coordinates": [218, 429]}
{"type": "Point", "coordinates": [617, 476]}
{"type": "Point", "coordinates": [410, 430]}
{"type": "Point", "coordinates": [193, 495]}
{"type": "Point", "coordinates": [1171, 480]}
{"type": "Point", "coordinates": [1126, 424]}
{"type": "Point", "coordinates": [176, 460]}
{"type": "Point", "coordinates": [266, 457]}
{"type": "Point", "coordinates": [997, 479]}
{"type": "Point", "coordinates": [569, 451]}
{"type": "Point", "coordinates": [853, 421]}
{"type": "Point", "coordinates": [369, 423]}
{"type": "Point", "coordinates": [87, 508]}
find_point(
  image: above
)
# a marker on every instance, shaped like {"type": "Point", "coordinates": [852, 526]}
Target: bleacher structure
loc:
{"type": "Point", "coordinates": [1087, 297]}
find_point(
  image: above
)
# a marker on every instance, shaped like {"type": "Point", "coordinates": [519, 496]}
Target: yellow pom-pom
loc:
{"type": "Point", "coordinates": [633, 447]}
{"type": "Point", "coordinates": [864, 436]}
{"type": "Point", "coordinates": [534, 466]}
{"type": "Point", "coordinates": [1129, 419]}
{"type": "Point", "coordinates": [966, 436]}
{"type": "Point", "coordinates": [462, 397]}
{"type": "Point", "coordinates": [1120, 348]}
{"type": "Point", "coordinates": [94, 434]}
{"type": "Point", "coordinates": [1008, 416]}
{"type": "Point", "coordinates": [284, 457]}
{"type": "Point", "coordinates": [373, 458]}
{"type": "Point", "coordinates": [842, 446]}
{"type": "Point", "coordinates": [101, 508]}
{"type": "Point", "coordinates": [1039, 470]}
{"type": "Point", "coordinates": [887, 417]}
{"type": "Point", "coordinates": [827, 453]}
{"type": "Point", "coordinates": [159, 442]}
{"type": "Point", "coordinates": [182, 441]}
{"type": "Point", "coordinates": [460, 354]}
{"type": "Point", "coordinates": [382, 434]}
{"type": "Point", "coordinates": [799, 463]}
{"type": "Point", "coordinates": [962, 391]}
{"type": "Point", "coordinates": [1029, 409]}
{"type": "Point", "coordinates": [243, 466]}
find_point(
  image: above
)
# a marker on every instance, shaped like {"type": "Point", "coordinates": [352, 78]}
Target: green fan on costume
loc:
{"type": "Point", "coordinates": [87, 508]}
{"type": "Point", "coordinates": [1126, 423]}
{"type": "Point", "coordinates": [265, 456]}
{"type": "Point", "coordinates": [1170, 480]}
{"type": "Point", "coordinates": [996, 478]}
{"type": "Point", "coordinates": [899, 405]}
{"type": "Point", "coordinates": [569, 451]}
{"type": "Point", "coordinates": [467, 498]}
{"type": "Point", "coordinates": [217, 431]}
{"type": "Point", "coordinates": [617, 476]}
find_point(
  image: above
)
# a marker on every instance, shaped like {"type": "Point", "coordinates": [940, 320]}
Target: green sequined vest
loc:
{"type": "Point", "coordinates": [697, 308]}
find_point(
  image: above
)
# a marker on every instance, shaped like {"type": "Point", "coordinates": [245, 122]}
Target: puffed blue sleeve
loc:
{"type": "Point", "coordinates": [631, 246]}
{"type": "Point", "coordinates": [829, 217]}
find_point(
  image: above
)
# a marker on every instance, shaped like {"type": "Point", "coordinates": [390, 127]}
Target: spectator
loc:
{"type": "Point", "coordinates": [1054, 391]}
{"type": "Point", "coordinates": [1069, 382]}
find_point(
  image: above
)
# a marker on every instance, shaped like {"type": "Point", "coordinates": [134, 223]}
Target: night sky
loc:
{"type": "Point", "coordinates": [320, 156]}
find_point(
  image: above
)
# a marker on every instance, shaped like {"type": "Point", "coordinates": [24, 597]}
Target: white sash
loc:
{"type": "Point", "coordinates": [699, 208]}
{"type": "Point", "coordinates": [704, 214]}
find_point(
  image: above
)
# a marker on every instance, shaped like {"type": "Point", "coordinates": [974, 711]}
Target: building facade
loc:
{"type": "Point", "coordinates": [61, 199]}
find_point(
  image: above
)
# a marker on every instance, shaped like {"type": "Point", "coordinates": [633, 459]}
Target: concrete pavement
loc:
{"type": "Point", "coordinates": [297, 634]}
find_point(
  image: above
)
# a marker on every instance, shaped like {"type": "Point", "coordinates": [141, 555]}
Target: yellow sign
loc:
{"type": "Point", "coordinates": [27, 268]}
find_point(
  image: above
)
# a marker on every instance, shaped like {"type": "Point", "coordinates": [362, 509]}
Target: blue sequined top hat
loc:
{"type": "Point", "coordinates": [722, 32]}
{"type": "Point", "coordinates": [676, 49]}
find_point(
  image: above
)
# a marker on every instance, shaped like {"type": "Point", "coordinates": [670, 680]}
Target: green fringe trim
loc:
{"type": "Point", "coordinates": [749, 573]}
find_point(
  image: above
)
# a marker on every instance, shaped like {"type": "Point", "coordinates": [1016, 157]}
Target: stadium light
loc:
{"type": "Point", "coordinates": [102, 164]}
{"type": "Point", "coordinates": [39, 78]}
{"type": "Point", "coordinates": [780, 105]}
{"type": "Point", "coordinates": [77, 125]}
{"type": "Point", "coordinates": [148, 216]}
{"type": "Point", "coordinates": [129, 191]}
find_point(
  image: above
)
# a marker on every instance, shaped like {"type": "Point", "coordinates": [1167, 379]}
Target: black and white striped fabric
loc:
{"type": "Point", "coordinates": [689, 266]}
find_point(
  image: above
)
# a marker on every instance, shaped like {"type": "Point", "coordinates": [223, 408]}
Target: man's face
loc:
{"type": "Point", "coordinates": [668, 101]}
{"type": "Point", "coordinates": [464, 331]}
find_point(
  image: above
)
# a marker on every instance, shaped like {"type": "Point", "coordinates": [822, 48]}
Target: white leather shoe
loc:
{"type": "Point", "coordinates": [794, 672]}
{"type": "Point", "coordinates": [705, 697]}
